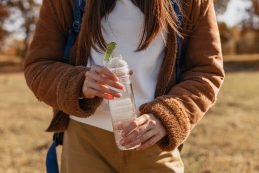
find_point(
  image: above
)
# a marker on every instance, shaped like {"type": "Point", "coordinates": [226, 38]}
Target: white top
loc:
{"type": "Point", "coordinates": [124, 25]}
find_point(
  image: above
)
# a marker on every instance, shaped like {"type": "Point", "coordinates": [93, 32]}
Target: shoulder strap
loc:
{"type": "Point", "coordinates": [75, 28]}
{"type": "Point", "coordinates": [179, 42]}
{"type": "Point", "coordinates": [179, 53]}
{"type": "Point", "coordinates": [51, 159]}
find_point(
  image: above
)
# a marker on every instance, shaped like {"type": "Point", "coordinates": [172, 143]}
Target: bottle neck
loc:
{"type": "Point", "coordinates": [121, 71]}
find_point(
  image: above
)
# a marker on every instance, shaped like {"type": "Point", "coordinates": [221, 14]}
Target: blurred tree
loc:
{"type": "Point", "coordinates": [3, 16]}
{"type": "Point", "coordinates": [28, 10]}
{"type": "Point", "coordinates": [221, 5]}
{"type": "Point", "coordinates": [252, 22]}
{"type": "Point", "coordinates": [256, 7]}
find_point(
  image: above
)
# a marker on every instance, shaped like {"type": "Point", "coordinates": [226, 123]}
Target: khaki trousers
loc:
{"type": "Point", "coordinates": [88, 149]}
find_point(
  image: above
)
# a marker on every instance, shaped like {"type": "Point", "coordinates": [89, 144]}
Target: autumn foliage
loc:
{"type": "Point", "coordinates": [240, 39]}
{"type": "Point", "coordinates": [3, 15]}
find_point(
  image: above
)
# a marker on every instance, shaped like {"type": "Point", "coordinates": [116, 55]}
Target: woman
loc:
{"type": "Point", "coordinates": [145, 31]}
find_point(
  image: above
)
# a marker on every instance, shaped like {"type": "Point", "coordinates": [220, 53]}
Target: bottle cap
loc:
{"type": "Point", "coordinates": [118, 66]}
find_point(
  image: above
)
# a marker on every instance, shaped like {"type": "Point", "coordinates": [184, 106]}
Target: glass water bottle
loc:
{"type": "Point", "coordinates": [123, 109]}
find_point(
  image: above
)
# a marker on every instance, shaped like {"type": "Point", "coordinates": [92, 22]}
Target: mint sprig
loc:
{"type": "Point", "coordinates": [110, 47]}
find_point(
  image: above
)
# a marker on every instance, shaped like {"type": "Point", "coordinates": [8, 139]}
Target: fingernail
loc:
{"type": "Point", "coordinates": [121, 86]}
{"type": "Point", "coordinates": [119, 94]}
{"type": "Point", "coordinates": [108, 96]}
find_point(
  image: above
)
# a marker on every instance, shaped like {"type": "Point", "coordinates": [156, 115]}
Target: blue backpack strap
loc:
{"type": "Point", "coordinates": [51, 159]}
{"type": "Point", "coordinates": [75, 28]}
{"type": "Point", "coordinates": [179, 42]}
{"type": "Point", "coordinates": [179, 54]}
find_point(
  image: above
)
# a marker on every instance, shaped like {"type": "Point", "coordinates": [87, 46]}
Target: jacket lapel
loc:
{"type": "Point", "coordinates": [166, 73]}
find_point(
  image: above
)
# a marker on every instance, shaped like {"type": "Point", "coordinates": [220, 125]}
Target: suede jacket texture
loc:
{"type": "Point", "coordinates": [179, 106]}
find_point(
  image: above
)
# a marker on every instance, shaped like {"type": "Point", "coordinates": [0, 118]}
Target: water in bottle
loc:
{"type": "Point", "coordinates": [123, 109]}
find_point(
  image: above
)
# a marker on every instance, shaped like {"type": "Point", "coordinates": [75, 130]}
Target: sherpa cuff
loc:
{"type": "Point", "coordinates": [174, 119]}
{"type": "Point", "coordinates": [68, 93]}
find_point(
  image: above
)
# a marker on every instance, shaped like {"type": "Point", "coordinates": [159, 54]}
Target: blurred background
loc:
{"type": "Point", "coordinates": [225, 141]}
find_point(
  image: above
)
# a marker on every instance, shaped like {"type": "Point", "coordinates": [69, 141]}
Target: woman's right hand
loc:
{"type": "Point", "coordinates": [97, 82]}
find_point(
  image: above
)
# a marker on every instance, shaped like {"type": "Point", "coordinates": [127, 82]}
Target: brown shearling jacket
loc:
{"type": "Point", "coordinates": [179, 106]}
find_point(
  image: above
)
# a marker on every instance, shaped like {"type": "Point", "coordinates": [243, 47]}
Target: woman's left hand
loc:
{"type": "Point", "coordinates": [146, 129]}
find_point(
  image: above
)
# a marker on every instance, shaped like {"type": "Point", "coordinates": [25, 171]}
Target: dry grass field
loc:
{"type": "Point", "coordinates": [225, 141]}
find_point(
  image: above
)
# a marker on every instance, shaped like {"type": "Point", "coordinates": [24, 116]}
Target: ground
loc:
{"type": "Point", "coordinates": [225, 141]}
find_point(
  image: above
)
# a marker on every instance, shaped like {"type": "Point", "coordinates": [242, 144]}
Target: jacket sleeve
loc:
{"type": "Point", "coordinates": [52, 81]}
{"type": "Point", "coordinates": [187, 102]}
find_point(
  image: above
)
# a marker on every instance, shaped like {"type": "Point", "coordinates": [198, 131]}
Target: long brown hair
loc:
{"type": "Point", "coordinates": [158, 15]}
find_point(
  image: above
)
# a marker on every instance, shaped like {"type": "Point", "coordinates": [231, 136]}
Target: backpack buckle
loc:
{"type": "Point", "coordinates": [82, 5]}
{"type": "Point", "coordinates": [76, 26]}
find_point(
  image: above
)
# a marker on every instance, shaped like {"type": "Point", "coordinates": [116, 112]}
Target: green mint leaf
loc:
{"type": "Point", "coordinates": [110, 47]}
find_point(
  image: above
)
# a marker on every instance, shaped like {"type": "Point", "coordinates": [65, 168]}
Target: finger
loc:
{"type": "Point", "coordinates": [117, 125]}
{"type": "Point", "coordinates": [137, 132]}
{"type": "Point", "coordinates": [137, 122]}
{"type": "Point", "coordinates": [85, 90]}
{"type": "Point", "coordinates": [103, 89]}
{"type": "Point", "coordinates": [132, 136]}
{"type": "Point", "coordinates": [133, 143]}
{"type": "Point", "coordinates": [94, 76]}
{"type": "Point", "coordinates": [105, 71]}
{"type": "Point", "coordinates": [141, 137]}
{"type": "Point", "coordinates": [103, 80]}
{"type": "Point", "coordinates": [91, 91]}
{"type": "Point", "coordinates": [150, 142]}
{"type": "Point", "coordinates": [114, 84]}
